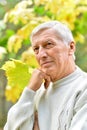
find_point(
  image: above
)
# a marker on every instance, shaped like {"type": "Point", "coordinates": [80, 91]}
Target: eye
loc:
{"type": "Point", "coordinates": [49, 44]}
{"type": "Point", "coordinates": [36, 49]}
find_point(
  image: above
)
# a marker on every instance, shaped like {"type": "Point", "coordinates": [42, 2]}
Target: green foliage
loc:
{"type": "Point", "coordinates": [39, 10]}
{"type": "Point", "coordinates": [3, 39]}
{"type": "Point", "coordinates": [80, 23]}
{"type": "Point", "coordinates": [81, 55]}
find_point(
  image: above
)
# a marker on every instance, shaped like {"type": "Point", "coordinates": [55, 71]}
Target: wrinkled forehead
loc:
{"type": "Point", "coordinates": [46, 34]}
{"type": "Point", "coordinates": [40, 29]}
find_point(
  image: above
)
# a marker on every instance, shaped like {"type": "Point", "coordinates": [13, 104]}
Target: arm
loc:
{"type": "Point", "coordinates": [79, 121]}
{"type": "Point", "coordinates": [21, 115]}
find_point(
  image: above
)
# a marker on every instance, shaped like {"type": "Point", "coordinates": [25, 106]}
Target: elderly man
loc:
{"type": "Point", "coordinates": [56, 97]}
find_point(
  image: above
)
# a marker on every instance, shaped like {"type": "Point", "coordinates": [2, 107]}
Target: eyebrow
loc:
{"type": "Point", "coordinates": [45, 41]}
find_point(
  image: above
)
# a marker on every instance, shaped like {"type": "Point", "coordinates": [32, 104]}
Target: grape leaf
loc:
{"type": "Point", "coordinates": [17, 73]}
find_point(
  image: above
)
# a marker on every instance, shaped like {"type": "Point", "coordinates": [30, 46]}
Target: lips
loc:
{"type": "Point", "coordinates": [46, 63]}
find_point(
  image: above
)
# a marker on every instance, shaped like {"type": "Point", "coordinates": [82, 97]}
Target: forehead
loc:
{"type": "Point", "coordinates": [45, 31]}
{"type": "Point", "coordinates": [44, 35]}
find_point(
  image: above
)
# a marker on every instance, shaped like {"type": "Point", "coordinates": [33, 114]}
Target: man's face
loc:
{"type": "Point", "coordinates": [51, 53]}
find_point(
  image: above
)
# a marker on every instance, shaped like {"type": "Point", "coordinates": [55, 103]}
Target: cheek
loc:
{"type": "Point", "coordinates": [37, 59]}
{"type": "Point", "coordinates": [60, 59]}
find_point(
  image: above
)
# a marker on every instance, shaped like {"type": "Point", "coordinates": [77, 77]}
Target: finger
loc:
{"type": "Point", "coordinates": [46, 78]}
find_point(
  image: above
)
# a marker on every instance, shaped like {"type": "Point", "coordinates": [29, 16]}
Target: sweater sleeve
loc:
{"type": "Point", "coordinates": [21, 115]}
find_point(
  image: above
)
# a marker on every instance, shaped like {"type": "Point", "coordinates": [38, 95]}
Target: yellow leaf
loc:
{"type": "Point", "coordinates": [25, 31]}
{"type": "Point", "coordinates": [13, 93]}
{"type": "Point", "coordinates": [29, 58]}
{"type": "Point", "coordinates": [23, 4]}
{"type": "Point", "coordinates": [14, 43]}
{"type": "Point", "coordinates": [17, 73]}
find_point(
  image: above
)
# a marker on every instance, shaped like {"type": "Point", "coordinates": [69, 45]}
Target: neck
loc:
{"type": "Point", "coordinates": [68, 70]}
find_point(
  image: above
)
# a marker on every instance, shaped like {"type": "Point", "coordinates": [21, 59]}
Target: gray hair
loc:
{"type": "Point", "coordinates": [62, 30]}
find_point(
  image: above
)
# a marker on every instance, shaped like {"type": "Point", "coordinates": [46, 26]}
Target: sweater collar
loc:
{"type": "Point", "coordinates": [70, 78]}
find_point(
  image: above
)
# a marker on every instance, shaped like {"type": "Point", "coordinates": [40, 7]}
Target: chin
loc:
{"type": "Point", "coordinates": [48, 71]}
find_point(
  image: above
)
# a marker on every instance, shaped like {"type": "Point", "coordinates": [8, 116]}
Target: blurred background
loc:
{"type": "Point", "coordinates": [17, 19]}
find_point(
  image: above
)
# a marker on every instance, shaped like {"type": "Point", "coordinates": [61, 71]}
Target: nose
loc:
{"type": "Point", "coordinates": [42, 52]}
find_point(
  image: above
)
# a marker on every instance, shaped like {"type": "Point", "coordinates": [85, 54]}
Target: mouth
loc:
{"type": "Point", "coordinates": [46, 64]}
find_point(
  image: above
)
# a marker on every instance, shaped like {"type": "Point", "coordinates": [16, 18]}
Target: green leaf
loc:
{"type": "Point", "coordinates": [9, 32]}
{"type": "Point", "coordinates": [39, 10]}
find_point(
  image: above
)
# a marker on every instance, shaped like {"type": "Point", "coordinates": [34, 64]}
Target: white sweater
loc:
{"type": "Point", "coordinates": [63, 106]}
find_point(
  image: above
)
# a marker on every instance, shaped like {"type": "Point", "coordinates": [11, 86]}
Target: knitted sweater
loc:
{"type": "Point", "coordinates": [62, 106]}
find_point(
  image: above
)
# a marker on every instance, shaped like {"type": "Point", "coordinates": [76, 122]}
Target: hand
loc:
{"type": "Point", "coordinates": [37, 79]}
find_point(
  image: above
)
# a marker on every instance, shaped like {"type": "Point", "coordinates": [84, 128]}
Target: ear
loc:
{"type": "Point", "coordinates": [71, 48]}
